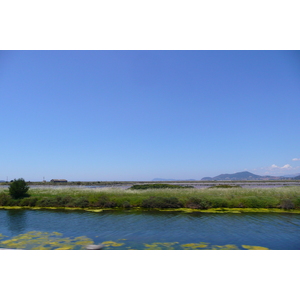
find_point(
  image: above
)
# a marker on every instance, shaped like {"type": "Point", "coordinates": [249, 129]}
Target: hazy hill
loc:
{"type": "Point", "coordinates": [291, 175]}
{"type": "Point", "coordinates": [163, 179]}
{"type": "Point", "coordinates": [241, 176]}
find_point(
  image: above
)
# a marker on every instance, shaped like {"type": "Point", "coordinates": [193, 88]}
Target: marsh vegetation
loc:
{"type": "Point", "coordinates": [287, 198]}
{"type": "Point", "coordinates": [159, 186]}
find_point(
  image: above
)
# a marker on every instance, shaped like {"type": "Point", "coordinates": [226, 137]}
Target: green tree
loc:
{"type": "Point", "coordinates": [18, 188]}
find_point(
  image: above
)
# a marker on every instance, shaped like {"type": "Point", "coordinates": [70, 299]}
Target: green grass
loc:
{"type": "Point", "coordinates": [158, 186]}
{"type": "Point", "coordinates": [204, 199]}
{"type": "Point", "coordinates": [224, 186]}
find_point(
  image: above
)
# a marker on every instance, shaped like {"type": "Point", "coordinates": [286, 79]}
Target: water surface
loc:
{"type": "Point", "coordinates": [147, 230]}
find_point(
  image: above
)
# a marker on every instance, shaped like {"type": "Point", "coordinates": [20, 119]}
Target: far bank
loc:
{"type": "Point", "coordinates": [283, 198]}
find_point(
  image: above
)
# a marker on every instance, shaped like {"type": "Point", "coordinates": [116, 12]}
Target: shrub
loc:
{"type": "Point", "coordinates": [251, 202]}
{"type": "Point", "coordinates": [13, 202]}
{"type": "Point", "coordinates": [269, 202]}
{"type": "Point", "coordinates": [45, 202]}
{"type": "Point", "coordinates": [4, 199]}
{"type": "Point", "coordinates": [219, 202]}
{"type": "Point", "coordinates": [297, 203]}
{"type": "Point", "coordinates": [28, 202]}
{"type": "Point", "coordinates": [126, 205]}
{"type": "Point", "coordinates": [161, 202]}
{"type": "Point", "coordinates": [18, 188]}
{"type": "Point", "coordinates": [62, 201]}
{"type": "Point", "coordinates": [198, 203]}
{"type": "Point", "coordinates": [287, 204]}
{"type": "Point", "coordinates": [32, 201]}
{"type": "Point", "coordinates": [81, 202]}
{"type": "Point", "coordinates": [103, 201]}
{"type": "Point", "coordinates": [65, 201]}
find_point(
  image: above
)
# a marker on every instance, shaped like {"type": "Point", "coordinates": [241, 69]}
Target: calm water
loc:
{"type": "Point", "coordinates": [47, 229]}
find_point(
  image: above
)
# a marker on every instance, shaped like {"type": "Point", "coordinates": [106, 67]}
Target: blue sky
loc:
{"type": "Point", "coordinates": [138, 115]}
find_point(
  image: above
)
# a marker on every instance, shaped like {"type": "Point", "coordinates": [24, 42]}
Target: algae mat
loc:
{"type": "Point", "coordinates": [36, 240]}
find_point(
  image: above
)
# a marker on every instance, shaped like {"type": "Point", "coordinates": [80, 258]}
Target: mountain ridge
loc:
{"type": "Point", "coordinates": [242, 176]}
{"type": "Point", "coordinates": [245, 175]}
{"type": "Point", "coordinates": [163, 179]}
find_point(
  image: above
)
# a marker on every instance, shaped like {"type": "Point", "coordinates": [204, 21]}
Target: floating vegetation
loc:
{"type": "Point", "coordinates": [160, 246]}
{"type": "Point", "coordinates": [225, 247]}
{"type": "Point", "coordinates": [37, 240]}
{"type": "Point", "coordinates": [198, 246]}
{"type": "Point", "coordinates": [254, 247]}
{"type": "Point", "coordinates": [94, 210]}
{"type": "Point", "coordinates": [109, 244]}
{"type": "Point", "coordinates": [2, 236]}
{"type": "Point", "coordinates": [194, 246]}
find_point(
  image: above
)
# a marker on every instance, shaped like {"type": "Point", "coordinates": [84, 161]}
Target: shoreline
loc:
{"type": "Point", "coordinates": [184, 210]}
{"type": "Point", "coordinates": [282, 182]}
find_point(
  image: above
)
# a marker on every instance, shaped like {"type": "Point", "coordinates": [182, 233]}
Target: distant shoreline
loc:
{"type": "Point", "coordinates": [193, 182]}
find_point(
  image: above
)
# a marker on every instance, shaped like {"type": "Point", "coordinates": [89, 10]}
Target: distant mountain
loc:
{"type": "Point", "coordinates": [207, 178]}
{"type": "Point", "coordinates": [163, 179]}
{"type": "Point", "coordinates": [297, 177]}
{"type": "Point", "coordinates": [241, 176]}
{"type": "Point", "coordinates": [291, 175]}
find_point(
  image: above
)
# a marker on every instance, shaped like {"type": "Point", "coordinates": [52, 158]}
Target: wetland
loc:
{"type": "Point", "coordinates": [69, 217]}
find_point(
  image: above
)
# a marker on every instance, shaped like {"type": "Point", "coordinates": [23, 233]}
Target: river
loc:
{"type": "Point", "coordinates": [61, 229]}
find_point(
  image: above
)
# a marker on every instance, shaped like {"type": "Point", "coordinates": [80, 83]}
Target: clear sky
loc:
{"type": "Point", "coordinates": [138, 115]}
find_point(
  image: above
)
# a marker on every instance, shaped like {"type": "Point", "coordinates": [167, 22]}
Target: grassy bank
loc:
{"type": "Point", "coordinates": [286, 198]}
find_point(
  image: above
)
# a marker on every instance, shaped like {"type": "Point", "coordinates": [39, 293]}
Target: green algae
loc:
{"type": "Point", "coordinates": [207, 246]}
{"type": "Point", "coordinates": [65, 248]}
{"type": "Point", "coordinates": [109, 244]}
{"type": "Point", "coordinates": [11, 207]}
{"type": "Point", "coordinates": [225, 247]}
{"type": "Point", "coordinates": [160, 246]}
{"type": "Point", "coordinates": [254, 247]}
{"type": "Point", "coordinates": [194, 246]}
{"type": "Point", "coordinates": [2, 236]}
{"type": "Point", "coordinates": [37, 240]}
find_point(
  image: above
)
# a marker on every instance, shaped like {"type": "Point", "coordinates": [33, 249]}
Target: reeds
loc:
{"type": "Point", "coordinates": [283, 197]}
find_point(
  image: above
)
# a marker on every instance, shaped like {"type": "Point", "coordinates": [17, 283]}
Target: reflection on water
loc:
{"type": "Point", "coordinates": [47, 229]}
{"type": "Point", "coordinates": [16, 220]}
